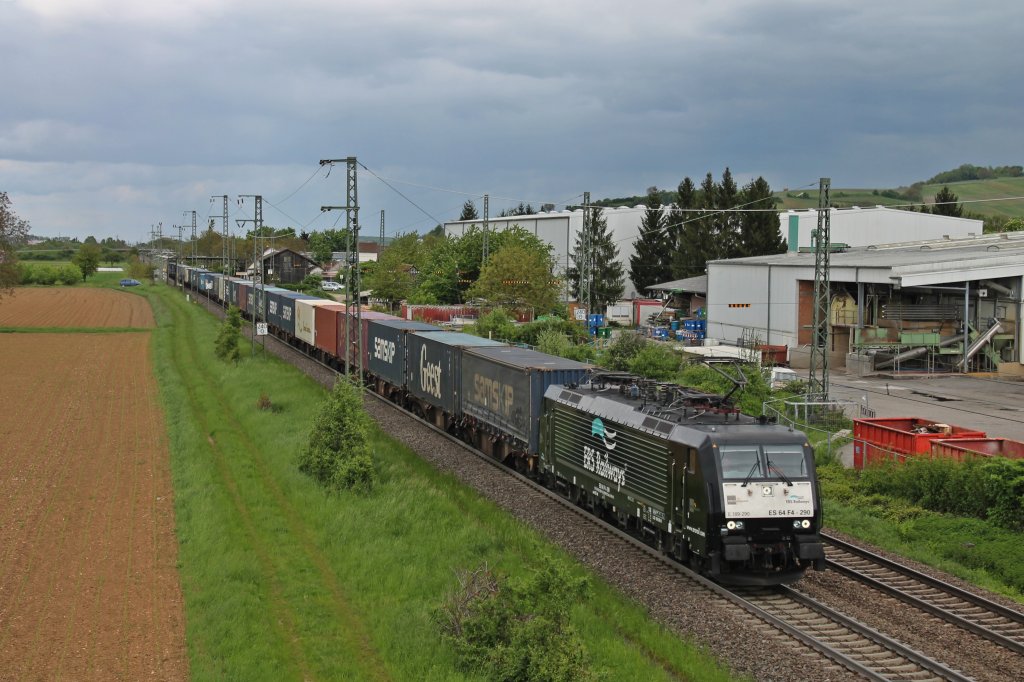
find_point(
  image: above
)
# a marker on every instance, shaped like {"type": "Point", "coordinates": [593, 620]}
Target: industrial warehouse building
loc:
{"type": "Point", "coordinates": [852, 226]}
{"type": "Point", "coordinates": [895, 306]}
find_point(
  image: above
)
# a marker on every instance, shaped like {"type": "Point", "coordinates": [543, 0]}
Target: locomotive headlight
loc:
{"type": "Point", "coordinates": [796, 523]}
{"type": "Point", "coordinates": [806, 523]}
{"type": "Point", "coordinates": [739, 525]}
{"type": "Point", "coordinates": [731, 525]}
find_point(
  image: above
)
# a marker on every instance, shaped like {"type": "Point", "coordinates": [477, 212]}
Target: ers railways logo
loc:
{"type": "Point", "coordinates": [599, 462]}
{"type": "Point", "coordinates": [607, 436]}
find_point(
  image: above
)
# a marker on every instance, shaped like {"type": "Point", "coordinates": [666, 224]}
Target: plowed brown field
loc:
{"type": "Point", "coordinates": [89, 588]}
{"type": "Point", "coordinates": [67, 307]}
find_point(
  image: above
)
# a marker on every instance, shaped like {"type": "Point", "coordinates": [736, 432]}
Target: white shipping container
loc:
{"type": "Point", "coordinates": [619, 313]}
{"type": "Point", "coordinates": [305, 318]}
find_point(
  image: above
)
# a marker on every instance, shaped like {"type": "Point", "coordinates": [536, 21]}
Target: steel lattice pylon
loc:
{"type": "Point", "coordinates": [817, 379]}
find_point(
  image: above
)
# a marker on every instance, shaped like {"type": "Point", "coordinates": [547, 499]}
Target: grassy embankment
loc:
{"type": "Point", "coordinates": [987, 191]}
{"type": "Point", "coordinates": [282, 581]}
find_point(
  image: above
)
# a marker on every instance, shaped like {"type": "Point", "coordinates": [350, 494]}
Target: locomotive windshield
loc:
{"type": "Point", "coordinates": [747, 462]}
{"type": "Point", "coordinates": [788, 460]}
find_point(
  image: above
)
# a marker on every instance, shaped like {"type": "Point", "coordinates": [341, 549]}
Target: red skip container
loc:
{"type": "Point", "coordinates": [978, 447]}
{"type": "Point", "coordinates": [877, 439]}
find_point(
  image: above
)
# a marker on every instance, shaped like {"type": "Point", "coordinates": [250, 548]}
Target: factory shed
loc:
{"type": "Point", "coordinates": [894, 307]}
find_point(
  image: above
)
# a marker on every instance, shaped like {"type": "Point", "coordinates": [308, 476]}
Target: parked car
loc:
{"type": "Point", "coordinates": [331, 286]}
{"type": "Point", "coordinates": [130, 282]}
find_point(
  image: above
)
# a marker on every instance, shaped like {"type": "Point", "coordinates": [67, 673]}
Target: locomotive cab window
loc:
{"type": "Point", "coordinates": [740, 461]}
{"type": "Point", "coordinates": [788, 460]}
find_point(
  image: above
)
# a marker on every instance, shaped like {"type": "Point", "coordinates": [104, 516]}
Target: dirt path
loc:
{"type": "Point", "coordinates": [88, 581]}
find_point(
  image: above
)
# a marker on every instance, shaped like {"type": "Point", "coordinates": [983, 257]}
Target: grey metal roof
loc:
{"type": "Point", "coordinates": [899, 255]}
{"type": "Point", "coordinates": [694, 285]}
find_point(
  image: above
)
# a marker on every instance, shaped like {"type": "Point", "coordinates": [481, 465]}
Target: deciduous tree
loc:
{"type": "Point", "coordinates": [517, 276]}
{"type": "Point", "coordinates": [87, 258]}
{"type": "Point", "coordinates": [13, 231]}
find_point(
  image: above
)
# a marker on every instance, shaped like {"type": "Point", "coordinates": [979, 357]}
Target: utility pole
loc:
{"type": "Point", "coordinates": [584, 261]}
{"type": "Point", "coordinates": [817, 378]}
{"type": "Point", "coordinates": [487, 248]}
{"type": "Point", "coordinates": [178, 262]}
{"type": "Point", "coordinates": [353, 281]}
{"type": "Point", "coordinates": [380, 241]}
{"type": "Point", "coordinates": [193, 237]}
{"type": "Point", "coordinates": [193, 256]}
{"type": "Point", "coordinates": [259, 307]}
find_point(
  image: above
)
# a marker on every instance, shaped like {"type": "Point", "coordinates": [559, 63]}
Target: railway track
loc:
{"type": "Point", "coordinates": [835, 638]}
{"type": "Point", "coordinates": [968, 611]}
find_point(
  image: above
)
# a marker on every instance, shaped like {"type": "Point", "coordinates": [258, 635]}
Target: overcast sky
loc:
{"type": "Point", "coordinates": [116, 115]}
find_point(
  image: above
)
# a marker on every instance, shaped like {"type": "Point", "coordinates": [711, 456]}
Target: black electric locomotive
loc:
{"type": "Point", "coordinates": [733, 496]}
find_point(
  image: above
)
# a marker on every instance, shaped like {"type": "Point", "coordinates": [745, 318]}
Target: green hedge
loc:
{"type": "Point", "coordinates": [986, 488]}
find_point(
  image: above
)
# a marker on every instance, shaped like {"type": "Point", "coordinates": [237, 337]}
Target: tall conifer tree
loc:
{"type": "Point", "coordinates": [607, 281]}
{"type": "Point", "coordinates": [651, 259]}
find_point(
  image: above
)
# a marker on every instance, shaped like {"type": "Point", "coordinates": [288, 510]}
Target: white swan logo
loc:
{"type": "Point", "coordinates": [607, 436]}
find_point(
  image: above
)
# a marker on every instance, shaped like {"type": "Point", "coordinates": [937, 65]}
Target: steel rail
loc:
{"type": "Point", "coordinates": [1015, 645]}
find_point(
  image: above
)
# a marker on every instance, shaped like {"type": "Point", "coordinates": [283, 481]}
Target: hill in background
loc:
{"type": "Point", "coordinates": [989, 193]}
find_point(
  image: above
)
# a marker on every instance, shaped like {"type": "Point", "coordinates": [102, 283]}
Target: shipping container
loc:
{"type": "Point", "coordinates": [220, 289]}
{"type": "Point", "coordinates": [305, 318]}
{"type": "Point", "coordinates": [246, 297]}
{"type": "Point", "coordinates": [619, 313]}
{"type": "Point", "coordinates": [236, 292]}
{"type": "Point", "coordinates": [205, 284]}
{"type": "Point", "coordinates": [433, 365]}
{"type": "Point", "coordinates": [880, 439]}
{"type": "Point", "coordinates": [261, 307]}
{"type": "Point", "coordinates": [326, 337]}
{"type": "Point", "coordinates": [281, 308]}
{"type": "Point", "coordinates": [643, 308]}
{"type": "Point", "coordinates": [961, 449]}
{"type": "Point", "coordinates": [386, 357]}
{"type": "Point", "coordinates": [504, 388]}
{"type": "Point", "coordinates": [347, 324]}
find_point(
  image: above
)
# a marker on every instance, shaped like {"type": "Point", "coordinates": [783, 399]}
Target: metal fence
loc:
{"type": "Point", "coordinates": [827, 423]}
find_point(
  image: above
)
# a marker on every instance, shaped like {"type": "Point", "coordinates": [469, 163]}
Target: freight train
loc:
{"type": "Point", "coordinates": [735, 497]}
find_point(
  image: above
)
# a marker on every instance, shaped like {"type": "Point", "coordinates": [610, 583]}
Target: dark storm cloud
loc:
{"type": "Point", "coordinates": [123, 113]}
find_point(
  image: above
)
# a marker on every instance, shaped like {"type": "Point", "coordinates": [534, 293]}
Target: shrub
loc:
{"type": "Point", "coordinates": [25, 272]}
{"type": "Point", "coordinates": [69, 274]}
{"type": "Point", "coordinates": [985, 488]}
{"type": "Point", "coordinates": [553, 343]}
{"type": "Point", "coordinates": [495, 325]}
{"type": "Point", "coordinates": [338, 453]}
{"type": "Point", "coordinates": [517, 631]}
{"type": "Point", "coordinates": [226, 345]}
{"type": "Point", "coordinates": [622, 351]}
{"type": "Point", "coordinates": [44, 274]}
{"type": "Point", "coordinates": [655, 361]}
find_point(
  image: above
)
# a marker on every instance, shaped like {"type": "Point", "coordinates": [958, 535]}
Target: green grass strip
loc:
{"type": "Point", "coordinates": [284, 581]}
